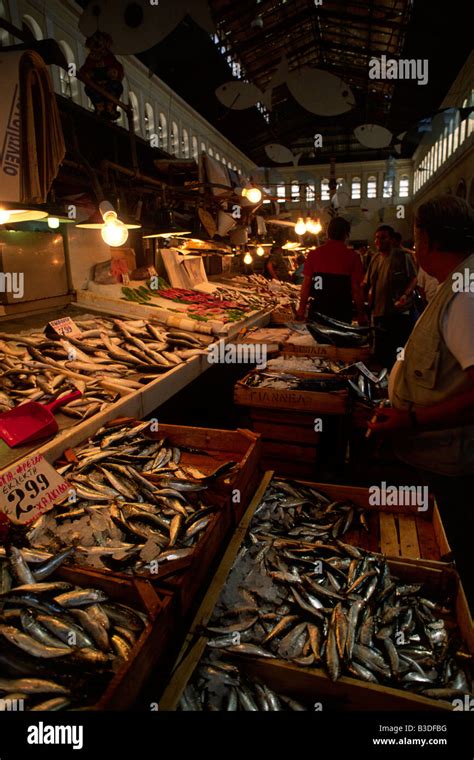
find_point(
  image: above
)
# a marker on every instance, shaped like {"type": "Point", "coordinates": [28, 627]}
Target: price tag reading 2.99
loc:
{"type": "Point", "coordinates": [21, 498]}
{"type": "Point", "coordinates": [30, 488]}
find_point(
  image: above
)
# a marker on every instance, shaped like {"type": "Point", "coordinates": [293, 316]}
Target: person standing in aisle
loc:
{"type": "Point", "coordinates": [277, 265]}
{"type": "Point", "coordinates": [432, 389]}
{"type": "Point", "coordinates": [332, 277]}
{"type": "Point", "coordinates": [390, 280]}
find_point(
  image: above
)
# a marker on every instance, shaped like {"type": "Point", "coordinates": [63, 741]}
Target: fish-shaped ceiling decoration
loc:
{"type": "Point", "coordinates": [138, 25]}
{"type": "Point", "coordinates": [373, 136]}
{"type": "Point", "coordinates": [318, 91]}
{"type": "Point", "coordinates": [282, 155]}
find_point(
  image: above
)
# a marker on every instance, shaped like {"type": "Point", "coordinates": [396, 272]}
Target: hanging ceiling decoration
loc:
{"type": "Point", "coordinates": [137, 25]}
{"type": "Point", "coordinates": [373, 136]}
{"type": "Point", "coordinates": [282, 155]}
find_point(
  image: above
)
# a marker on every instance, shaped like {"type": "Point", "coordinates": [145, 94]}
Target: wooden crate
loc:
{"type": "Point", "coordinates": [336, 402]}
{"type": "Point", "coordinates": [312, 685]}
{"type": "Point", "coordinates": [347, 693]}
{"type": "Point", "coordinates": [153, 644]}
{"type": "Point", "coordinates": [396, 531]}
{"type": "Point", "coordinates": [358, 354]}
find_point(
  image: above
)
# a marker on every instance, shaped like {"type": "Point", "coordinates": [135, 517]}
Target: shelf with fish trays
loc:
{"type": "Point", "coordinates": [186, 577]}
{"type": "Point", "coordinates": [395, 531]}
{"type": "Point", "coordinates": [310, 685]}
{"type": "Point", "coordinates": [359, 354]}
{"type": "Point", "coordinates": [334, 402]}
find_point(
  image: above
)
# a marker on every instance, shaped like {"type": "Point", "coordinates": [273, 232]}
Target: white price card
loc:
{"type": "Point", "coordinates": [65, 326]}
{"type": "Point", "coordinates": [30, 488]}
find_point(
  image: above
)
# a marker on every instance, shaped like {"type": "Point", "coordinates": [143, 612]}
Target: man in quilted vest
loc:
{"type": "Point", "coordinates": [432, 388]}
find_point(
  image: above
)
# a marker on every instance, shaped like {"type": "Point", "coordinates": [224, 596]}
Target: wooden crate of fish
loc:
{"type": "Point", "coordinates": [310, 348]}
{"type": "Point", "coordinates": [401, 531]}
{"type": "Point", "coordinates": [325, 393]}
{"type": "Point", "coordinates": [80, 638]}
{"type": "Point", "coordinates": [328, 624]}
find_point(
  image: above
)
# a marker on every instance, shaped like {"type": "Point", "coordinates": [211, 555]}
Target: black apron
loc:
{"type": "Point", "coordinates": [334, 298]}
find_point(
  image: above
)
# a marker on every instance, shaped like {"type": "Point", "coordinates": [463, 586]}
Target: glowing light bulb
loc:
{"type": "Point", "coordinates": [4, 216]}
{"type": "Point", "coordinates": [253, 194]}
{"type": "Point", "coordinates": [260, 251]}
{"type": "Point", "coordinates": [248, 259]}
{"type": "Point", "coordinates": [53, 222]}
{"type": "Point", "coordinates": [300, 227]}
{"type": "Point", "coordinates": [114, 232]}
{"type": "Point", "coordinates": [318, 227]}
{"type": "Point", "coordinates": [314, 227]}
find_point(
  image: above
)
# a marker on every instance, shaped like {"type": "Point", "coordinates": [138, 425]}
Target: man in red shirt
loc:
{"type": "Point", "coordinates": [333, 275]}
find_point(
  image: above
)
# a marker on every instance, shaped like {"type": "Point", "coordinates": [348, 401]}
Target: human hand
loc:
{"type": "Point", "coordinates": [388, 420]}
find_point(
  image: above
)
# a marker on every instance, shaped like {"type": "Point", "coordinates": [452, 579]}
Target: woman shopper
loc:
{"type": "Point", "coordinates": [432, 388]}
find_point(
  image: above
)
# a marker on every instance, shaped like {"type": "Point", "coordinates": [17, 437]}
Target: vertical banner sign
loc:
{"type": "Point", "coordinates": [10, 155]}
{"type": "Point", "coordinates": [30, 488]}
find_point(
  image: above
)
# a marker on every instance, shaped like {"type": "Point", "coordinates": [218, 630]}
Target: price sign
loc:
{"type": "Point", "coordinates": [65, 326]}
{"type": "Point", "coordinates": [30, 488]}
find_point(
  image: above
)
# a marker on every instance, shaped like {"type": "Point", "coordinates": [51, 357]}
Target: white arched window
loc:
{"type": "Point", "coordinates": [325, 189]}
{"type": "Point", "coordinates": [33, 26]}
{"type": "Point", "coordinates": [310, 193]}
{"type": "Point", "coordinates": [136, 110]}
{"type": "Point", "coordinates": [211, 152]}
{"type": "Point", "coordinates": [174, 139]}
{"type": "Point", "coordinates": [456, 130]}
{"type": "Point", "coordinates": [372, 186]}
{"type": "Point", "coordinates": [162, 132]}
{"type": "Point", "coordinates": [185, 144]}
{"type": "Point", "coordinates": [356, 188]}
{"type": "Point", "coordinates": [217, 157]}
{"type": "Point", "coordinates": [67, 79]}
{"type": "Point", "coordinates": [388, 188]}
{"type": "Point", "coordinates": [203, 147]}
{"type": "Point", "coordinates": [404, 186]}
{"type": "Point", "coordinates": [195, 148]}
{"type": "Point", "coordinates": [149, 120]}
{"type": "Point", "coordinates": [224, 161]}
{"type": "Point", "coordinates": [295, 190]}
{"type": "Point", "coordinates": [281, 193]}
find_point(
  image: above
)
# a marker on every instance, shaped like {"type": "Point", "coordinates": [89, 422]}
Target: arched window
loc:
{"type": "Point", "coordinates": [149, 119]}
{"type": "Point", "coordinates": [224, 161]}
{"type": "Point", "coordinates": [281, 193]}
{"type": "Point", "coordinates": [388, 188]}
{"type": "Point", "coordinates": [372, 186]}
{"type": "Point", "coordinates": [136, 111]}
{"type": "Point", "coordinates": [456, 130]}
{"type": "Point", "coordinates": [339, 183]}
{"type": "Point", "coordinates": [325, 189]}
{"type": "Point", "coordinates": [295, 190]}
{"type": "Point", "coordinates": [67, 79]}
{"type": "Point", "coordinates": [310, 193]}
{"type": "Point", "coordinates": [33, 26]}
{"type": "Point", "coordinates": [162, 132]}
{"type": "Point", "coordinates": [195, 147]}
{"type": "Point", "coordinates": [203, 147]}
{"type": "Point", "coordinates": [404, 186]}
{"type": "Point", "coordinates": [211, 152]}
{"type": "Point", "coordinates": [356, 188]}
{"type": "Point", "coordinates": [174, 142]}
{"type": "Point", "coordinates": [185, 144]}
{"type": "Point", "coordinates": [217, 157]}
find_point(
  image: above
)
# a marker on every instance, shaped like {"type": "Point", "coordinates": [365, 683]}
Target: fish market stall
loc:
{"type": "Point", "coordinates": [291, 624]}
{"type": "Point", "coordinates": [330, 338]}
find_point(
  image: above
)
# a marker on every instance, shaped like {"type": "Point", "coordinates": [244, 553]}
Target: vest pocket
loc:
{"type": "Point", "coordinates": [425, 369]}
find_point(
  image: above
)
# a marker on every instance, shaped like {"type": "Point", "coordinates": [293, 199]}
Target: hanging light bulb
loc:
{"type": "Point", "coordinates": [53, 222]}
{"type": "Point", "coordinates": [314, 227]}
{"type": "Point", "coordinates": [4, 216]}
{"type": "Point", "coordinates": [300, 226]}
{"type": "Point", "coordinates": [114, 232]}
{"type": "Point", "coordinates": [260, 251]}
{"type": "Point", "coordinates": [318, 227]}
{"type": "Point", "coordinates": [248, 258]}
{"type": "Point", "coordinates": [253, 194]}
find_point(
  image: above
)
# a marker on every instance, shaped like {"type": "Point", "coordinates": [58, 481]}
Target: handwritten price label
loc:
{"type": "Point", "coordinates": [29, 489]}
{"type": "Point", "coordinates": [65, 326]}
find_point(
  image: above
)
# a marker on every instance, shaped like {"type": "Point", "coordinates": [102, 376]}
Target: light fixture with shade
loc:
{"type": "Point", "coordinates": [13, 213]}
{"type": "Point", "coordinates": [166, 227]}
{"type": "Point", "coordinates": [300, 226]}
{"type": "Point", "coordinates": [53, 222]}
{"type": "Point", "coordinates": [248, 258]}
{"type": "Point", "coordinates": [114, 232]}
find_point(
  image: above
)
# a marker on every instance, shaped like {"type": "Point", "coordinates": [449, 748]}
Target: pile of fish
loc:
{"type": "Point", "coordinates": [326, 330]}
{"type": "Point", "coordinates": [133, 503]}
{"type": "Point", "coordinates": [60, 644]}
{"type": "Point", "coordinates": [304, 513]}
{"type": "Point", "coordinates": [291, 382]}
{"type": "Point", "coordinates": [109, 359]}
{"type": "Point", "coordinates": [305, 364]}
{"type": "Point", "coordinates": [220, 685]}
{"type": "Point", "coordinates": [333, 606]}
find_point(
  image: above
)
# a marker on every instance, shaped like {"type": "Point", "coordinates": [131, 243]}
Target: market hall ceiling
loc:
{"type": "Point", "coordinates": [334, 36]}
